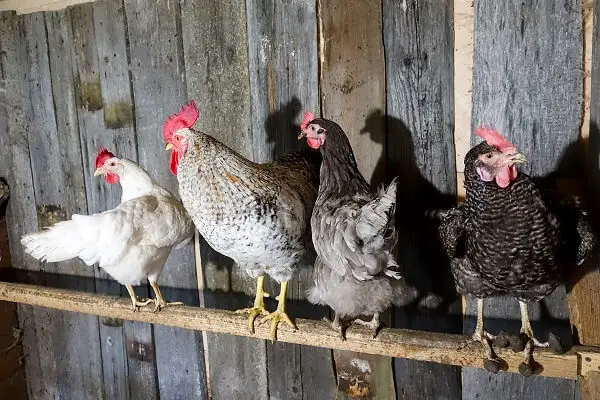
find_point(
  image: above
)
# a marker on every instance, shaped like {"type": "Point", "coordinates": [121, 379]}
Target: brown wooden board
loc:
{"type": "Point", "coordinates": [352, 88]}
{"type": "Point", "coordinates": [418, 39]}
{"type": "Point", "coordinates": [283, 65]}
{"type": "Point", "coordinates": [158, 82]}
{"type": "Point", "coordinates": [527, 83]}
{"type": "Point", "coordinates": [216, 59]}
{"type": "Point", "coordinates": [584, 302]}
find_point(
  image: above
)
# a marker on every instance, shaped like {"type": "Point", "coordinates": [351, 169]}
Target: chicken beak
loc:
{"type": "Point", "coordinates": [169, 146]}
{"type": "Point", "coordinates": [99, 171]}
{"type": "Point", "coordinates": [301, 135]}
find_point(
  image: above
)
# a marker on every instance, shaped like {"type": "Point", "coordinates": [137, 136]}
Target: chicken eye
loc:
{"type": "Point", "coordinates": [112, 163]}
{"type": "Point", "coordinates": [489, 155]}
{"type": "Point", "coordinates": [320, 131]}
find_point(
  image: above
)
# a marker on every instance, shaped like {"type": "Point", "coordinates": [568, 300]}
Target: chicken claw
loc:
{"type": "Point", "coordinates": [373, 324]}
{"type": "Point", "coordinates": [279, 314]}
{"type": "Point", "coordinates": [159, 301]}
{"type": "Point", "coordinates": [259, 304]}
{"type": "Point", "coordinates": [137, 302]}
{"type": "Point", "coordinates": [337, 325]}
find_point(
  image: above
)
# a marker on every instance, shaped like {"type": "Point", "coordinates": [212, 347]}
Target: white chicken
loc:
{"type": "Point", "coordinates": [130, 242]}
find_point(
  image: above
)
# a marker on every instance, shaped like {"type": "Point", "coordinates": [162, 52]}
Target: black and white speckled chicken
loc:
{"type": "Point", "coordinates": [510, 237]}
{"type": "Point", "coordinates": [354, 234]}
{"type": "Point", "coordinates": [256, 214]}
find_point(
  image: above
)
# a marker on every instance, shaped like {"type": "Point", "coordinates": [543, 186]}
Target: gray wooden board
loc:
{"type": "Point", "coordinates": [216, 60]}
{"type": "Point", "coordinates": [283, 66]}
{"type": "Point", "coordinates": [16, 168]}
{"type": "Point", "coordinates": [158, 76]}
{"type": "Point", "coordinates": [94, 86]}
{"type": "Point", "coordinates": [527, 83]}
{"type": "Point", "coordinates": [419, 46]}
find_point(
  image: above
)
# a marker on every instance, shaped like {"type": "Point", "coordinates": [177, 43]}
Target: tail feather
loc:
{"type": "Point", "coordinates": [60, 242]}
{"type": "Point", "coordinates": [377, 217]}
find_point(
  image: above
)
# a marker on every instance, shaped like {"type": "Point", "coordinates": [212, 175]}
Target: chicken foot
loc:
{"type": "Point", "coordinates": [279, 314]}
{"type": "Point", "coordinates": [527, 367]}
{"type": "Point", "coordinates": [491, 362]}
{"type": "Point", "coordinates": [337, 325]}
{"type": "Point", "coordinates": [259, 304]}
{"type": "Point", "coordinates": [374, 324]}
{"type": "Point", "coordinates": [137, 301]}
{"type": "Point", "coordinates": [159, 301]}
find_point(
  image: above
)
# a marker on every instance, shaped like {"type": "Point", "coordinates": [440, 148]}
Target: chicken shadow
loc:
{"type": "Point", "coordinates": [420, 252]}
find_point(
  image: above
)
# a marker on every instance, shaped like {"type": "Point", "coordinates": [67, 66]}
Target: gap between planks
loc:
{"type": "Point", "coordinates": [401, 343]}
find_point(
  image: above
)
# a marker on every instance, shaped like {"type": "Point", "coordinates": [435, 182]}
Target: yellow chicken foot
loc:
{"type": "Point", "coordinates": [337, 325]}
{"type": "Point", "coordinates": [159, 301]}
{"type": "Point", "coordinates": [259, 304]}
{"type": "Point", "coordinates": [279, 314]}
{"type": "Point", "coordinates": [136, 301]}
{"type": "Point", "coordinates": [373, 324]}
{"type": "Point", "coordinates": [491, 362]}
{"type": "Point", "coordinates": [527, 367]}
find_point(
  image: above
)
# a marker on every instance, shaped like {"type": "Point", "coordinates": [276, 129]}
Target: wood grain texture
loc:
{"type": "Point", "coordinates": [216, 60]}
{"type": "Point", "coordinates": [418, 345]}
{"type": "Point", "coordinates": [353, 88]}
{"type": "Point", "coordinates": [527, 83]}
{"type": "Point", "coordinates": [159, 89]}
{"type": "Point", "coordinates": [96, 87]}
{"type": "Point", "coordinates": [14, 148]}
{"type": "Point", "coordinates": [283, 67]}
{"type": "Point", "coordinates": [419, 46]}
{"type": "Point", "coordinates": [582, 290]}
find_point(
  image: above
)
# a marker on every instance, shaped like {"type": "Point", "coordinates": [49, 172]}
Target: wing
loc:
{"type": "Point", "coordinates": [364, 238]}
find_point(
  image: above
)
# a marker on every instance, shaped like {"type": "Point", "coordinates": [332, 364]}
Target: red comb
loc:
{"type": "Point", "coordinates": [185, 118]}
{"type": "Point", "coordinates": [102, 156]}
{"type": "Point", "coordinates": [308, 116]}
{"type": "Point", "coordinates": [493, 138]}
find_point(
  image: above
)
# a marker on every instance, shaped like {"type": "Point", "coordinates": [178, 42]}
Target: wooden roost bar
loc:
{"type": "Point", "coordinates": [406, 79]}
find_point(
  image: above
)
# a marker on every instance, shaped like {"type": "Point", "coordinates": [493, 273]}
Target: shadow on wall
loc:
{"type": "Point", "coordinates": [420, 252]}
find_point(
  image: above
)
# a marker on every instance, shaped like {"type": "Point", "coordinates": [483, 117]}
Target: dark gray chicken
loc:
{"type": "Point", "coordinates": [510, 237]}
{"type": "Point", "coordinates": [256, 214]}
{"type": "Point", "coordinates": [353, 233]}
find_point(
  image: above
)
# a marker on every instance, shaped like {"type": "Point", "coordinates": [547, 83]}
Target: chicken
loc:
{"type": "Point", "coordinates": [354, 234]}
{"type": "Point", "coordinates": [130, 242]}
{"type": "Point", "coordinates": [256, 214]}
{"type": "Point", "coordinates": [510, 237]}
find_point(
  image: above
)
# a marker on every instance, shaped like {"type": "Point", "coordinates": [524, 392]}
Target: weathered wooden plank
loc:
{"type": "Point", "coordinates": [419, 45]}
{"type": "Point", "coordinates": [527, 83]}
{"type": "Point", "coordinates": [21, 215]}
{"type": "Point", "coordinates": [353, 88]}
{"type": "Point", "coordinates": [419, 345]}
{"type": "Point", "coordinates": [12, 371]}
{"type": "Point", "coordinates": [90, 80]}
{"type": "Point", "coordinates": [158, 77]}
{"type": "Point", "coordinates": [283, 67]}
{"type": "Point", "coordinates": [216, 59]}
{"type": "Point", "coordinates": [585, 285]}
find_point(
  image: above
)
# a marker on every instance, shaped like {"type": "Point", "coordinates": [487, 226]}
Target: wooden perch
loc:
{"type": "Point", "coordinates": [417, 345]}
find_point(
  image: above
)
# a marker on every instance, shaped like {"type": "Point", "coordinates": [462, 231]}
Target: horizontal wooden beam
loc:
{"type": "Point", "coordinates": [417, 345]}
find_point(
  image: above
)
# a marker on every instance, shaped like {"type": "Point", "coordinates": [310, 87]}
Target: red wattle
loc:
{"type": "Point", "coordinates": [313, 142]}
{"type": "Point", "coordinates": [174, 162]}
{"type": "Point", "coordinates": [111, 178]}
{"type": "Point", "coordinates": [503, 178]}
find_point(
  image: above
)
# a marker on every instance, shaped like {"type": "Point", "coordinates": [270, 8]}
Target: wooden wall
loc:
{"type": "Point", "coordinates": [389, 72]}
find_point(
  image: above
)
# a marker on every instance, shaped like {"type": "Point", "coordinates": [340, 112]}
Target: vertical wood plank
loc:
{"type": "Point", "coordinates": [15, 220]}
{"type": "Point", "coordinates": [282, 43]}
{"type": "Point", "coordinates": [216, 60]}
{"type": "Point", "coordinates": [90, 80]}
{"type": "Point", "coordinates": [419, 45]}
{"type": "Point", "coordinates": [582, 291]}
{"type": "Point", "coordinates": [527, 83]}
{"type": "Point", "coordinates": [158, 77]}
{"type": "Point", "coordinates": [352, 91]}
